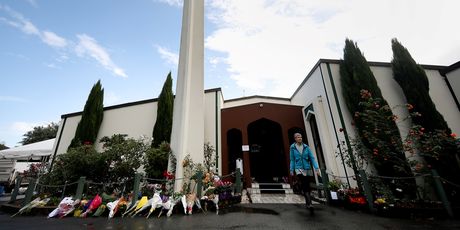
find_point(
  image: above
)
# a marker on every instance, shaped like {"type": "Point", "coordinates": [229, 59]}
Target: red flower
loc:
{"type": "Point", "coordinates": [376, 152]}
{"type": "Point", "coordinates": [365, 94]}
{"type": "Point", "coordinates": [394, 117]}
{"type": "Point", "coordinates": [357, 200]}
{"type": "Point", "coordinates": [453, 135]}
{"type": "Point", "coordinates": [168, 175]}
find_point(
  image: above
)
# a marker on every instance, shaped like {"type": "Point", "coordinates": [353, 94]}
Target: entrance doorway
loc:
{"type": "Point", "coordinates": [266, 151]}
{"type": "Point", "coordinates": [317, 142]}
{"type": "Point", "coordinates": [234, 143]}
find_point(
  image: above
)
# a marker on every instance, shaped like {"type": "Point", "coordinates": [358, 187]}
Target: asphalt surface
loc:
{"type": "Point", "coordinates": [247, 216]}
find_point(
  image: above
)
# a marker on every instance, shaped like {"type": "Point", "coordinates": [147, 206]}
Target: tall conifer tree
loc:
{"type": "Point", "coordinates": [91, 117]}
{"type": "Point", "coordinates": [380, 136]}
{"type": "Point", "coordinates": [163, 124]}
{"type": "Point", "coordinates": [414, 82]}
{"type": "Point", "coordinates": [437, 147]}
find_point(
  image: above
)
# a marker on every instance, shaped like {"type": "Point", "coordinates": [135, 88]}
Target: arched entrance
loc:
{"type": "Point", "coordinates": [234, 143]}
{"type": "Point", "coordinates": [267, 154]}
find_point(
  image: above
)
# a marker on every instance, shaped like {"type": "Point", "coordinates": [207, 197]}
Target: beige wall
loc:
{"type": "Point", "coordinates": [454, 80]}
{"type": "Point", "coordinates": [313, 92]}
{"type": "Point", "coordinates": [325, 104]}
{"type": "Point", "coordinates": [332, 111]}
{"type": "Point", "coordinates": [443, 99]}
{"type": "Point", "coordinates": [136, 120]}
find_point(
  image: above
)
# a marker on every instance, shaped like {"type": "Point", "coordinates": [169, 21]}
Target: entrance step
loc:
{"type": "Point", "coordinates": [277, 193]}
{"type": "Point", "coordinates": [270, 188]}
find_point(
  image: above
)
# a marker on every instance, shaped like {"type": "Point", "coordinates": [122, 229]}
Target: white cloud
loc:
{"type": "Point", "coordinates": [19, 56]}
{"type": "Point", "coordinates": [18, 21]}
{"type": "Point", "coordinates": [29, 28]}
{"type": "Point", "coordinates": [21, 127]}
{"type": "Point", "coordinates": [12, 99]}
{"type": "Point", "coordinates": [53, 39]}
{"type": "Point", "coordinates": [177, 3]}
{"type": "Point", "coordinates": [269, 46]}
{"type": "Point", "coordinates": [62, 58]}
{"type": "Point", "coordinates": [52, 66]}
{"type": "Point", "coordinates": [170, 57]}
{"type": "Point", "coordinates": [33, 3]}
{"type": "Point", "coordinates": [88, 46]}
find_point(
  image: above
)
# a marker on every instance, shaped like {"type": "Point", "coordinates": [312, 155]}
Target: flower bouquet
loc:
{"type": "Point", "coordinates": [37, 202]}
{"type": "Point", "coordinates": [66, 206]}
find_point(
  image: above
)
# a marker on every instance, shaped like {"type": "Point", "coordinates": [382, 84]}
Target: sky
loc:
{"type": "Point", "coordinates": [52, 52]}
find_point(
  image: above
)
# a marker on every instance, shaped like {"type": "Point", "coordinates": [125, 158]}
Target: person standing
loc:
{"type": "Point", "coordinates": [300, 159]}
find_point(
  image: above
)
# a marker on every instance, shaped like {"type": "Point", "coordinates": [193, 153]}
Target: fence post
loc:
{"type": "Point", "coordinates": [81, 185]}
{"type": "Point", "coordinates": [16, 189]}
{"type": "Point", "coordinates": [29, 192]}
{"type": "Point", "coordinates": [199, 181]}
{"type": "Point", "coordinates": [367, 190]}
{"type": "Point", "coordinates": [137, 181]}
{"type": "Point", "coordinates": [442, 193]}
{"type": "Point", "coordinates": [63, 190]}
{"type": "Point", "coordinates": [325, 185]}
{"type": "Point", "coordinates": [238, 181]}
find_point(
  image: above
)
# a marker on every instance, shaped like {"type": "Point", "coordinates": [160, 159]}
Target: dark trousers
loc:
{"type": "Point", "coordinates": [305, 186]}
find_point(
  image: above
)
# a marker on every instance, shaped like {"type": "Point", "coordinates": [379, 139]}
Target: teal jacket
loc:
{"type": "Point", "coordinates": [301, 161]}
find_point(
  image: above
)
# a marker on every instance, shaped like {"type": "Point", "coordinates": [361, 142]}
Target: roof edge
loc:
{"type": "Point", "coordinates": [257, 96]}
{"type": "Point", "coordinates": [371, 63]}
{"type": "Point", "coordinates": [131, 104]}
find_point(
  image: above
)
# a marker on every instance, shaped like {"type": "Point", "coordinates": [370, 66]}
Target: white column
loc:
{"type": "Point", "coordinates": [187, 136]}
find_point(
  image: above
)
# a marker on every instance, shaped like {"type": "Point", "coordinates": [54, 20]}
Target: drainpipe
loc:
{"type": "Point", "coordinates": [347, 140]}
{"type": "Point", "coordinates": [333, 124]}
{"type": "Point", "coordinates": [217, 132]}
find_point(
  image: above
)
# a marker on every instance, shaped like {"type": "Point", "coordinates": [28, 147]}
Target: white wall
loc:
{"type": "Point", "coordinates": [443, 99]}
{"type": "Point", "coordinates": [135, 120]}
{"type": "Point", "coordinates": [454, 80]}
{"type": "Point", "coordinates": [313, 92]}
{"type": "Point", "coordinates": [333, 118]}
{"type": "Point", "coordinates": [310, 90]}
{"type": "Point", "coordinates": [394, 95]}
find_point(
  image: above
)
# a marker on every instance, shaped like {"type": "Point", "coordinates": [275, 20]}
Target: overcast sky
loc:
{"type": "Point", "coordinates": [52, 52]}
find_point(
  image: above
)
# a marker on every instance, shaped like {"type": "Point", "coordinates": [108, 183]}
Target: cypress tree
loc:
{"type": "Point", "coordinates": [437, 147]}
{"type": "Point", "coordinates": [163, 124]}
{"type": "Point", "coordinates": [414, 82]}
{"type": "Point", "coordinates": [379, 135]}
{"type": "Point", "coordinates": [91, 117]}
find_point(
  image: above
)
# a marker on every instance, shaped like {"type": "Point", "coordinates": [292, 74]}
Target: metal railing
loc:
{"type": "Point", "coordinates": [82, 183]}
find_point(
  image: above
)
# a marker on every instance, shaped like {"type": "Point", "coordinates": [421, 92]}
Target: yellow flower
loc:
{"type": "Point", "coordinates": [380, 201]}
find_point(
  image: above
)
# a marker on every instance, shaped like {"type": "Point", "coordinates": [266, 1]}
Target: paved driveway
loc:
{"type": "Point", "coordinates": [244, 216]}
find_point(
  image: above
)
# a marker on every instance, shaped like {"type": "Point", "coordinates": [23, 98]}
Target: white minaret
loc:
{"type": "Point", "coordinates": [187, 136]}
